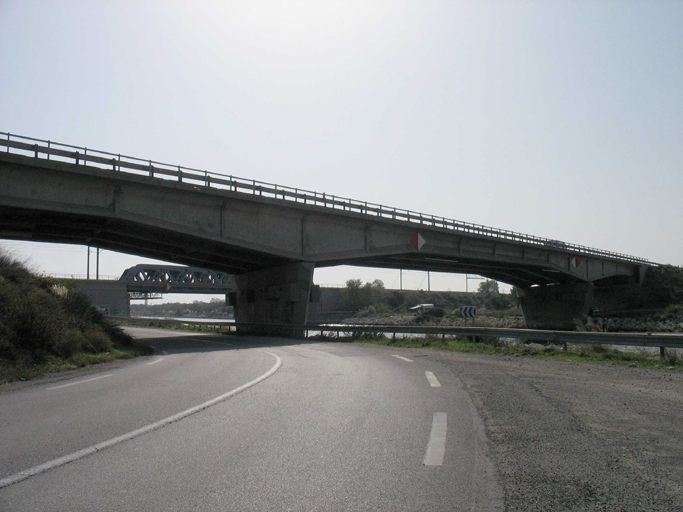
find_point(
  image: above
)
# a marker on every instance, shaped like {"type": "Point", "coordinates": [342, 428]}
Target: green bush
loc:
{"type": "Point", "coordinates": [39, 320]}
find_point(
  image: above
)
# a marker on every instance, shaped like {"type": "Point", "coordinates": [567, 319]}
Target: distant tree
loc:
{"type": "Point", "coordinates": [360, 296]}
{"type": "Point", "coordinates": [663, 286]}
{"type": "Point", "coordinates": [488, 288]}
{"type": "Point", "coordinates": [492, 297]}
{"type": "Point", "coordinates": [354, 301]}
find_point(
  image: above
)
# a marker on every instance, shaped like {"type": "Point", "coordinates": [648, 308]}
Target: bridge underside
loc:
{"type": "Point", "coordinates": [272, 245]}
{"type": "Point", "coordinates": [124, 236]}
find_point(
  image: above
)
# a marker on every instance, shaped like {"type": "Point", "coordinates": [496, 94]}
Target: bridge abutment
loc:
{"type": "Point", "coordinates": [556, 307]}
{"type": "Point", "coordinates": [109, 296]}
{"type": "Point", "coordinates": [270, 299]}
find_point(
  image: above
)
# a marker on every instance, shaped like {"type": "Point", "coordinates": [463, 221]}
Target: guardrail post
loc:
{"type": "Point", "coordinates": [48, 149]}
{"type": "Point", "coordinates": [113, 164]}
{"type": "Point", "coordinates": [77, 157]}
{"type": "Point", "coordinates": [151, 170]}
{"type": "Point", "coordinates": [207, 179]}
{"type": "Point", "coordinates": [662, 353]}
{"type": "Point", "coordinates": [85, 155]}
{"type": "Point", "coordinates": [119, 166]}
{"type": "Point", "coordinates": [180, 174]}
{"type": "Point", "coordinates": [8, 142]}
{"type": "Point", "coordinates": [36, 149]}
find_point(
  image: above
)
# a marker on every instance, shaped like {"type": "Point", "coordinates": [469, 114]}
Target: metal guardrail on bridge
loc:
{"type": "Point", "coordinates": [38, 148]}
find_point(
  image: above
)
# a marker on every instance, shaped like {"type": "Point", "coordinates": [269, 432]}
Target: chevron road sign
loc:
{"type": "Point", "coordinates": [468, 311]}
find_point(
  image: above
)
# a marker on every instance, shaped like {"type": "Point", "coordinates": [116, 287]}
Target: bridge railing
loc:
{"type": "Point", "coordinates": [116, 162]}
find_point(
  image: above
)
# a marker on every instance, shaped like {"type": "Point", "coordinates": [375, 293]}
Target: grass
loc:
{"type": "Point", "coordinates": [579, 353]}
{"type": "Point", "coordinates": [11, 371]}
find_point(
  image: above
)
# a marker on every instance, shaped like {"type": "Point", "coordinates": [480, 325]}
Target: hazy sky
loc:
{"type": "Point", "coordinates": [562, 119]}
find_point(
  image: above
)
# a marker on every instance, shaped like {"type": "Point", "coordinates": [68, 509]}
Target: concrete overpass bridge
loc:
{"type": "Point", "coordinates": [272, 237]}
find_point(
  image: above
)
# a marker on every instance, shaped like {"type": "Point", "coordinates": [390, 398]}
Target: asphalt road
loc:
{"type": "Point", "coordinates": [322, 426]}
{"type": "Point", "coordinates": [285, 425]}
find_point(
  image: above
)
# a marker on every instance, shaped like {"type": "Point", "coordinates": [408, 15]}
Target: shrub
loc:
{"type": "Point", "coordinates": [39, 319]}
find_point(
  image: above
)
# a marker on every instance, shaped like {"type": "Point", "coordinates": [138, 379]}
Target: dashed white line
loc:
{"type": "Point", "coordinates": [436, 447]}
{"type": "Point", "coordinates": [81, 381]}
{"type": "Point", "coordinates": [155, 361]}
{"type": "Point", "coordinates": [433, 381]}
{"type": "Point", "coordinates": [403, 358]}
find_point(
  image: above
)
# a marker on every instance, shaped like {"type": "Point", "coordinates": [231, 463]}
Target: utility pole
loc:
{"type": "Point", "coordinates": [97, 264]}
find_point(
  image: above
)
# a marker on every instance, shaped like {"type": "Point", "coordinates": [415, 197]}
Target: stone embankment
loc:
{"type": "Point", "coordinates": [645, 324]}
{"type": "Point", "coordinates": [516, 322]}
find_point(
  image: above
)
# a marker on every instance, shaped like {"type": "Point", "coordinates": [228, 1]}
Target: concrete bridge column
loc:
{"type": "Point", "coordinates": [275, 296]}
{"type": "Point", "coordinates": [556, 307]}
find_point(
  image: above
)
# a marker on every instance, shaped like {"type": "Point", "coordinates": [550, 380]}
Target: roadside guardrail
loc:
{"type": "Point", "coordinates": [651, 340]}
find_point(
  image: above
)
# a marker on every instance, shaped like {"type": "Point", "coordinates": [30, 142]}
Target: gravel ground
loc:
{"type": "Point", "coordinates": [568, 436]}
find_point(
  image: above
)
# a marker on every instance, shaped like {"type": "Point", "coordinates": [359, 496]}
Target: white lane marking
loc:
{"type": "Point", "coordinates": [164, 352]}
{"type": "Point", "coordinates": [403, 358]}
{"type": "Point", "coordinates": [42, 468]}
{"type": "Point", "coordinates": [156, 361]}
{"type": "Point", "coordinates": [81, 381]}
{"type": "Point", "coordinates": [433, 381]}
{"type": "Point", "coordinates": [436, 448]}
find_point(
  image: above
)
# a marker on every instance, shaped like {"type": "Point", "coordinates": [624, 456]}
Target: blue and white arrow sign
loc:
{"type": "Point", "coordinates": [468, 311]}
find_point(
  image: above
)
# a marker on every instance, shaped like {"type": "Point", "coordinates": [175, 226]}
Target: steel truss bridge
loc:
{"type": "Point", "coordinates": [145, 279]}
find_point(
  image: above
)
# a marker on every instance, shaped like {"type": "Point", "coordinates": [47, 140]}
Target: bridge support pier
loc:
{"type": "Point", "coordinates": [270, 299]}
{"type": "Point", "coordinates": [556, 307]}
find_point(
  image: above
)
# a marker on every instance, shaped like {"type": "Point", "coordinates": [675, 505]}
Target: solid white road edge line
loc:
{"type": "Point", "coordinates": [156, 361]}
{"type": "Point", "coordinates": [81, 381]}
{"type": "Point", "coordinates": [433, 381]}
{"type": "Point", "coordinates": [36, 470]}
{"type": "Point", "coordinates": [436, 447]}
{"type": "Point", "coordinates": [403, 358]}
